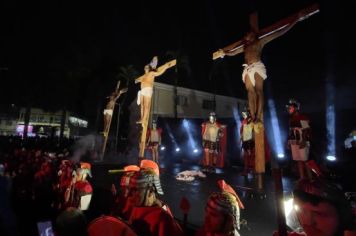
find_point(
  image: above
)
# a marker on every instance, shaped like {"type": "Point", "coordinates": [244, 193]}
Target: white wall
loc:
{"type": "Point", "coordinates": [163, 103]}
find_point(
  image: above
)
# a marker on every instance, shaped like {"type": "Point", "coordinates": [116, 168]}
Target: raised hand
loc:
{"type": "Point", "coordinates": [124, 90]}
{"type": "Point", "coordinates": [218, 54]}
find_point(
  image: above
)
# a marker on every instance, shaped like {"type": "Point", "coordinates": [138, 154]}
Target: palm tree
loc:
{"type": "Point", "coordinates": [182, 65]}
{"type": "Point", "coordinates": [127, 75]}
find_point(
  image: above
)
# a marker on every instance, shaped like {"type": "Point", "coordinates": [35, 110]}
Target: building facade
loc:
{"type": "Point", "coordinates": [190, 103]}
{"type": "Point", "coordinates": [42, 123]}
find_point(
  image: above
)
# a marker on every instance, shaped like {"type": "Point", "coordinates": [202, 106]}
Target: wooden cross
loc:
{"type": "Point", "coordinates": [113, 100]}
{"type": "Point", "coordinates": [267, 31]}
{"type": "Point", "coordinates": [149, 78]}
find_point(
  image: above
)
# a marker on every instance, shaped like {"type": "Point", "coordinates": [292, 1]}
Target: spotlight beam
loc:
{"type": "Point", "coordinates": [275, 128]}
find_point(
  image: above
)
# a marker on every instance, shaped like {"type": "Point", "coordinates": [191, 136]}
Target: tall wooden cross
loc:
{"type": "Point", "coordinates": [147, 81]}
{"type": "Point", "coordinates": [108, 113]}
{"type": "Point", "coordinates": [252, 50]}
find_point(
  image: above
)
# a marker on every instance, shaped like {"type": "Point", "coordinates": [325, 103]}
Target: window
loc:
{"type": "Point", "coordinates": [182, 100]}
{"type": "Point", "coordinates": [209, 105]}
{"type": "Point", "coordinates": [40, 118]}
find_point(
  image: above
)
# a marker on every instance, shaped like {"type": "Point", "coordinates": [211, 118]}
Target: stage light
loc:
{"type": "Point", "coordinates": [177, 149]}
{"type": "Point", "coordinates": [330, 119]}
{"type": "Point", "coordinates": [280, 155]}
{"type": "Point", "coordinates": [163, 148]}
{"type": "Point", "coordinates": [196, 150]}
{"type": "Point", "coordinates": [275, 129]}
{"type": "Point", "coordinates": [330, 158]}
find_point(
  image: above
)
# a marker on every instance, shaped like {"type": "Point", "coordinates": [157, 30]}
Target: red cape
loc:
{"type": "Point", "coordinates": [154, 221]}
{"type": "Point", "coordinates": [220, 162]}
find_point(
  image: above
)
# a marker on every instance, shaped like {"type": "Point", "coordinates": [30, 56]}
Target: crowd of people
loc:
{"type": "Point", "coordinates": [44, 185]}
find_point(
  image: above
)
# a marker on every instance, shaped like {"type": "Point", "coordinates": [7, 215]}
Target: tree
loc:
{"type": "Point", "coordinates": [127, 75]}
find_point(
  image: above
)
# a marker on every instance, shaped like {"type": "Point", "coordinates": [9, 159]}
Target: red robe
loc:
{"type": "Point", "coordinates": [222, 143]}
{"type": "Point", "coordinates": [154, 221]}
{"type": "Point", "coordinates": [81, 188]}
{"type": "Point", "coordinates": [295, 122]}
{"type": "Point", "coordinates": [148, 134]}
{"type": "Point", "coordinates": [267, 147]}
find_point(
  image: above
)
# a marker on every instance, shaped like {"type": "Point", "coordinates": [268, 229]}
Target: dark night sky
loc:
{"type": "Point", "coordinates": [68, 52]}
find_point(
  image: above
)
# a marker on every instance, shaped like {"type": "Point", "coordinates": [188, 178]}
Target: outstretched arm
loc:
{"type": "Point", "coordinates": [139, 79]}
{"type": "Point", "coordinates": [231, 50]}
{"type": "Point", "coordinates": [163, 68]}
{"type": "Point", "coordinates": [279, 32]}
{"type": "Point", "coordinates": [124, 90]}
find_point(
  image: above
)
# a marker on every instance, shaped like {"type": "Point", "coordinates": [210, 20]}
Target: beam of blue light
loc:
{"type": "Point", "coordinates": [330, 118]}
{"type": "Point", "coordinates": [278, 147]}
{"type": "Point", "coordinates": [237, 119]}
{"type": "Point", "coordinates": [189, 129]}
{"type": "Point", "coordinates": [171, 135]}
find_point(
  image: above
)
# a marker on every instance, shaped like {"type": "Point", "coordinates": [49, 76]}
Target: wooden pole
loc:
{"type": "Point", "coordinates": [106, 136]}
{"type": "Point", "coordinates": [107, 129]}
{"type": "Point", "coordinates": [144, 124]}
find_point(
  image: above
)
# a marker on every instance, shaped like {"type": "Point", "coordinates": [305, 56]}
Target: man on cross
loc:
{"type": "Point", "coordinates": [254, 72]}
{"type": "Point", "coordinates": [145, 94]}
{"type": "Point", "coordinates": [108, 111]}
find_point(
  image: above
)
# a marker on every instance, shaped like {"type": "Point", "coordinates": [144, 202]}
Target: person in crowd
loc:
{"type": "Point", "coordinates": [212, 133]}
{"type": "Point", "coordinates": [149, 216]}
{"type": "Point", "coordinates": [71, 222]}
{"type": "Point", "coordinates": [299, 136]}
{"type": "Point", "coordinates": [222, 212]}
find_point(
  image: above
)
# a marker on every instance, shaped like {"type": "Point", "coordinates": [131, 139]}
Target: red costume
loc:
{"type": "Point", "coordinates": [248, 144]}
{"type": "Point", "coordinates": [82, 188]}
{"type": "Point", "coordinates": [152, 137]}
{"type": "Point", "coordinates": [225, 203]}
{"type": "Point", "coordinates": [154, 221]}
{"type": "Point", "coordinates": [299, 132]}
{"type": "Point", "coordinates": [214, 141]}
{"type": "Point", "coordinates": [109, 226]}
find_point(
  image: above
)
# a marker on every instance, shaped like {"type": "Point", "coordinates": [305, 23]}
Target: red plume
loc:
{"type": "Point", "coordinates": [131, 168]}
{"type": "Point", "coordinates": [227, 188]}
{"type": "Point", "coordinates": [148, 164]}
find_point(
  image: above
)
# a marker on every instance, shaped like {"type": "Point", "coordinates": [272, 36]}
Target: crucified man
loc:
{"type": "Point", "coordinates": [145, 94]}
{"type": "Point", "coordinates": [108, 111]}
{"type": "Point", "coordinates": [251, 45]}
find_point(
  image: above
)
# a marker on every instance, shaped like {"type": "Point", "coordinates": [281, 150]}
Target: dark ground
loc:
{"type": "Point", "coordinates": [260, 214]}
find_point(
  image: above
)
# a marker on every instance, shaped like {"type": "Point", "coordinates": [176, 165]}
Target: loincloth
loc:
{"type": "Point", "coordinates": [108, 112]}
{"type": "Point", "coordinates": [250, 70]}
{"type": "Point", "coordinates": [147, 91]}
